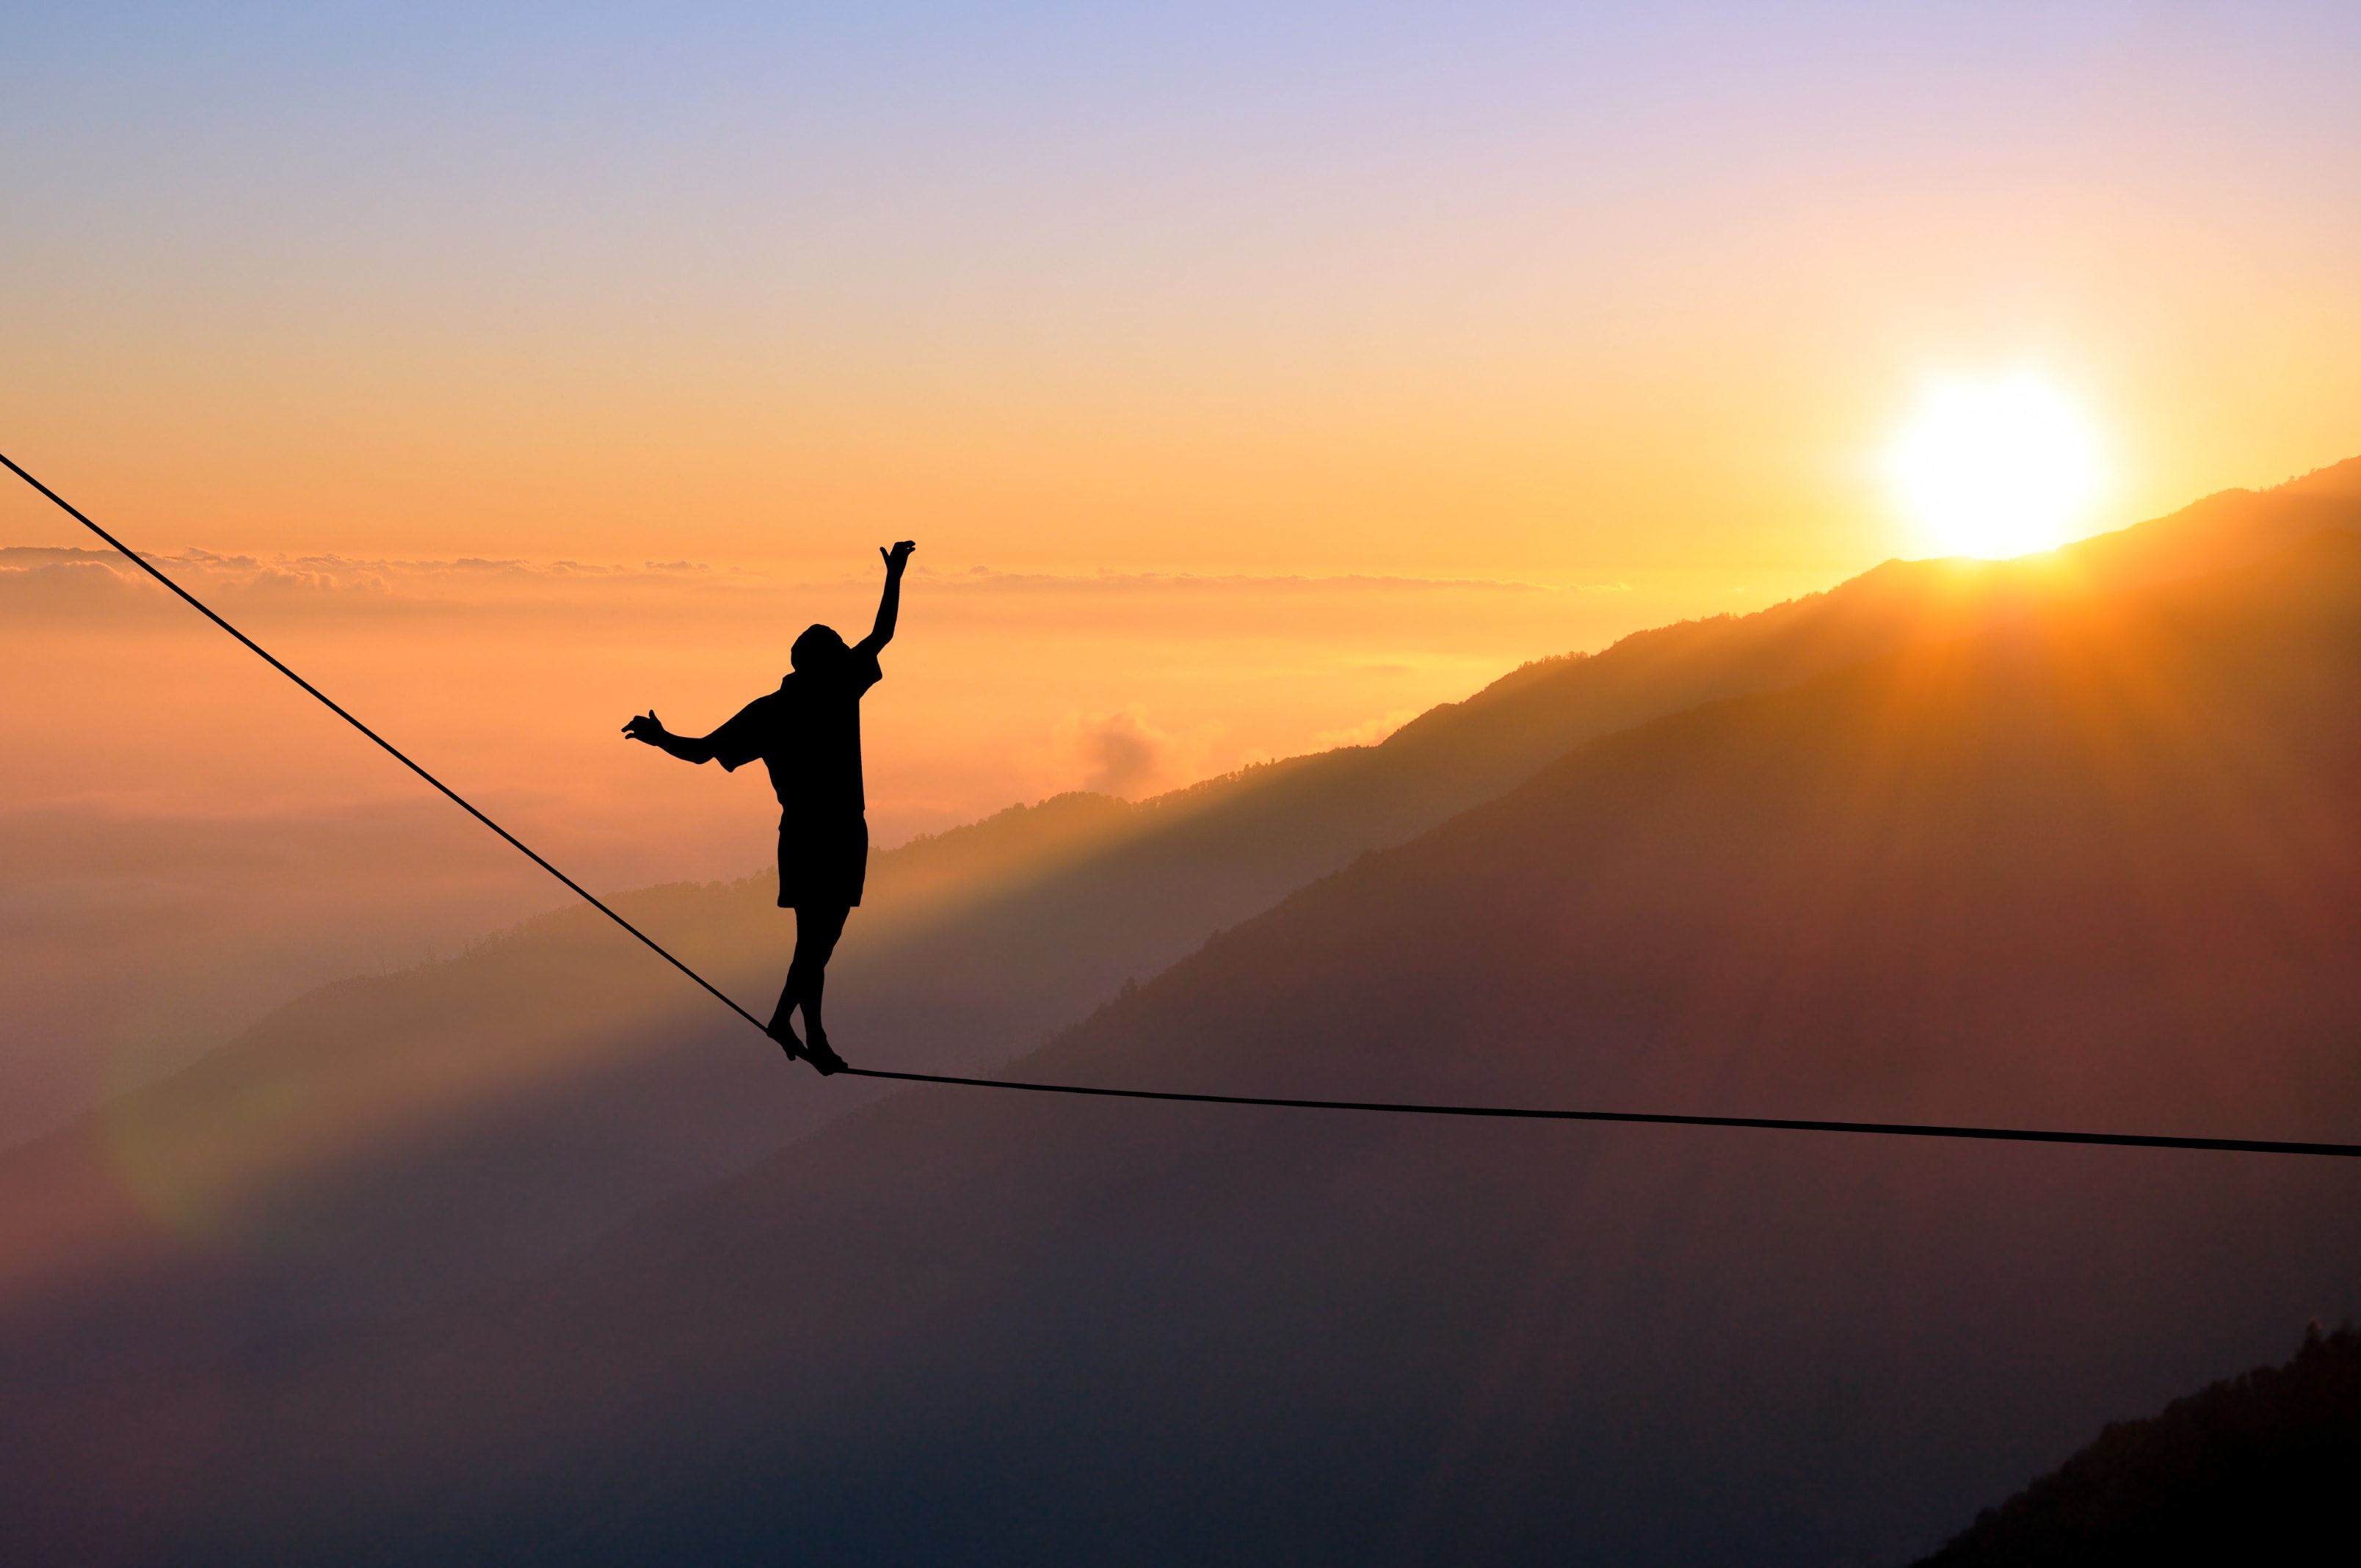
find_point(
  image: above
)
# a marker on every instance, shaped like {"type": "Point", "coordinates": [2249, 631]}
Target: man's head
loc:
{"type": "Point", "coordinates": [817, 647]}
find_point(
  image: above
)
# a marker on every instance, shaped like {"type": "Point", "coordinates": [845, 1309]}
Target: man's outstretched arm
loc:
{"type": "Point", "coordinates": [647, 727]}
{"type": "Point", "coordinates": [889, 605]}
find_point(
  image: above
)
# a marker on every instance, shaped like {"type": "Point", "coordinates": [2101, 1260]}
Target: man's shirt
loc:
{"type": "Point", "coordinates": [808, 735]}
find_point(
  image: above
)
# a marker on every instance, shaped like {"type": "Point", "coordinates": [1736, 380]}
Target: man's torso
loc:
{"type": "Point", "coordinates": [808, 735]}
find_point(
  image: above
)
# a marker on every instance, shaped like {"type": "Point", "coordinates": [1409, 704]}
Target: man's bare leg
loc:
{"type": "Point", "coordinates": [779, 1028]}
{"type": "Point", "coordinates": [818, 930]}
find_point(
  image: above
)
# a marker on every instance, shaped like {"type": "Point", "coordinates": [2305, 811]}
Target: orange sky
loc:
{"type": "Point", "coordinates": [1251, 377]}
{"type": "Point", "coordinates": [514, 678]}
{"type": "Point", "coordinates": [1530, 297]}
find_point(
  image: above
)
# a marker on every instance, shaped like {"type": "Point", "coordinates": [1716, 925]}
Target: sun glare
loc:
{"type": "Point", "coordinates": [1996, 468]}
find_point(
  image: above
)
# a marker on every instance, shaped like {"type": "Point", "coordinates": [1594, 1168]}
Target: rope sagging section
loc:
{"type": "Point", "coordinates": [1397, 1108]}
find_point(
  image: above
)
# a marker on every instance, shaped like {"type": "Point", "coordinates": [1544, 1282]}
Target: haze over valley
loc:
{"type": "Point", "coordinates": [1780, 863]}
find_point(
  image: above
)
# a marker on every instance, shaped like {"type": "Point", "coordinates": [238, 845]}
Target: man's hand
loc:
{"type": "Point", "coordinates": [646, 727]}
{"type": "Point", "coordinates": [897, 558]}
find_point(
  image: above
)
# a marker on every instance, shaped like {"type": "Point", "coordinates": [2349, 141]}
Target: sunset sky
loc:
{"type": "Point", "coordinates": [1252, 377]}
{"type": "Point", "coordinates": [1531, 292]}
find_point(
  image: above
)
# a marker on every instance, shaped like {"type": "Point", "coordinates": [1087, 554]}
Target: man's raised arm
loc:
{"type": "Point", "coordinates": [647, 727]}
{"type": "Point", "coordinates": [889, 604]}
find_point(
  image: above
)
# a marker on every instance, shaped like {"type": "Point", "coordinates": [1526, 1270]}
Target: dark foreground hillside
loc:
{"type": "Point", "coordinates": [2099, 865]}
{"type": "Point", "coordinates": [2259, 1468]}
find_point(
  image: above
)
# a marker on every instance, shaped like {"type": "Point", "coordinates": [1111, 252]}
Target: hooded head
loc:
{"type": "Point", "coordinates": [818, 647]}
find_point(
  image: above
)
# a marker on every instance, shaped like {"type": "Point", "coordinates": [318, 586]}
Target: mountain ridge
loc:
{"type": "Point", "coordinates": [978, 944]}
{"type": "Point", "coordinates": [597, 1101]}
{"type": "Point", "coordinates": [2101, 863]}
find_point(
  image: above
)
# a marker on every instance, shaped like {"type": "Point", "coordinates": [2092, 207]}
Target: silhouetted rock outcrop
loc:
{"type": "Point", "coordinates": [2258, 1468]}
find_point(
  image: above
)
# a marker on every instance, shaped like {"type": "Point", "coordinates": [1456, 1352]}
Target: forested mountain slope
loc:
{"type": "Point", "coordinates": [2098, 864]}
{"type": "Point", "coordinates": [386, 1141]}
{"type": "Point", "coordinates": [2257, 1468]}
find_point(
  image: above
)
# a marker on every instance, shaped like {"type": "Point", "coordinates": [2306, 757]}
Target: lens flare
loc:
{"type": "Point", "coordinates": [1995, 468]}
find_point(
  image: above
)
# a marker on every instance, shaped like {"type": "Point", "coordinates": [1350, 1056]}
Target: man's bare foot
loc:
{"type": "Point", "coordinates": [819, 1053]}
{"type": "Point", "coordinates": [782, 1032]}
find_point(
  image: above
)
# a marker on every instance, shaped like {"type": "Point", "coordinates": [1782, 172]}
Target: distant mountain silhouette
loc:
{"type": "Point", "coordinates": [994, 983]}
{"type": "Point", "coordinates": [2230, 527]}
{"type": "Point", "coordinates": [386, 1141]}
{"type": "Point", "coordinates": [2085, 858]}
{"type": "Point", "coordinates": [2258, 1468]}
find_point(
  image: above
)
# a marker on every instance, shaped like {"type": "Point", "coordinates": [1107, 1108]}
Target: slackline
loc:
{"type": "Point", "coordinates": [1397, 1108]}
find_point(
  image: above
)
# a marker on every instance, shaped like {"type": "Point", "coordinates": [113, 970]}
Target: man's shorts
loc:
{"type": "Point", "coordinates": [822, 864]}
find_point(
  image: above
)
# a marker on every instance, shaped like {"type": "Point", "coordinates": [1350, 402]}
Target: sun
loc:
{"type": "Point", "coordinates": [1996, 467]}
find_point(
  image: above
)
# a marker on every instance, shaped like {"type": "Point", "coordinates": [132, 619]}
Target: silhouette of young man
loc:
{"type": "Point", "coordinates": [808, 735]}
